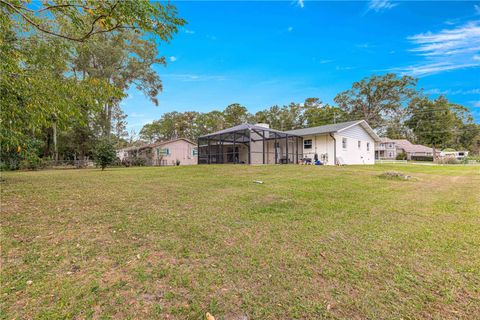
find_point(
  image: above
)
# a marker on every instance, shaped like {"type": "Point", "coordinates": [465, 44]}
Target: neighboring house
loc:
{"type": "Point", "coordinates": [350, 142]}
{"type": "Point", "coordinates": [459, 155]}
{"type": "Point", "coordinates": [389, 149]}
{"type": "Point", "coordinates": [386, 149]}
{"type": "Point", "coordinates": [165, 153]}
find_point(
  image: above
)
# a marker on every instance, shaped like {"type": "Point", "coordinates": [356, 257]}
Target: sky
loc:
{"type": "Point", "coordinates": [264, 53]}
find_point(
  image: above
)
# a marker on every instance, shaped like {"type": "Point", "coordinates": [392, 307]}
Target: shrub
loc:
{"type": "Point", "coordinates": [177, 162]}
{"type": "Point", "coordinates": [447, 160]}
{"type": "Point", "coordinates": [31, 162]}
{"type": "Point", "coordinates": [401, 156]}
{"type": "Point", "coordinates": [104, 153]}
{"type": "Point", "coordinates": [134, 162]}
{"type": "Point", "coordinates": [422, 158]}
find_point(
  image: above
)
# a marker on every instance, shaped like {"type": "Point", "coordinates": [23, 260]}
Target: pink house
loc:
{"type": "Point", "coordinates": [166, 153]}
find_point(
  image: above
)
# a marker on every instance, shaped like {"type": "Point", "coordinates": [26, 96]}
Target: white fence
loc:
{"type": "Point", "coordinates": [390, 161]}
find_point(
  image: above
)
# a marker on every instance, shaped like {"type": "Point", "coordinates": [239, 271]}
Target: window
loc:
{"type": "Point", "coordinates": [359, 144]}
{"type": "Point", "coordinates": [390, 145]}
{"type": "Point", "coordinates": [163, 151]}
{"type": "Point", "coordinates": [307, 144]}
{"type": "Point", "coordinates": [344, 143]}
{"type": "Point", "coordinates": [368, 146]}
{"type": "Point", "coordinates": [195, 152]}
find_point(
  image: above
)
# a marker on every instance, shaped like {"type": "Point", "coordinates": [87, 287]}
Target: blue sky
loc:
{"type": "Point", "coordinates": [265, 53]}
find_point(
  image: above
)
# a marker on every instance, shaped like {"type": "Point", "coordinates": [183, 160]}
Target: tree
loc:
{"type": "Point", "coordinates": [49, 55]}
{"type": "Point", "coordinates": [316, 113]}
{"type": "Point", "coordinates": [282, 118]}
{"type": "Point", "coordinates": [377, 98]}
{"type": "Point", "coordinates": [105, 153]}
{"type": "Point", "coordinates": [122, 59]}
{"type": "Point", "coordinates": [80, 20]}
{"type": "Point", "coordinates": [437, 123]}
{"type": "Point", "coordinates": [236, 114]}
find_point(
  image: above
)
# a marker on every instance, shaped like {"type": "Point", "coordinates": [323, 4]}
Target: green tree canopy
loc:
{"type": "Point", "coordinates": [378, 98]}
{"type": "Point", "coordinates": [438, 123]}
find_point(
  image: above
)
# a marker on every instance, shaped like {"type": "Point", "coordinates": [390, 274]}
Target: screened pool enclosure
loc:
{"type": "Point", "coordinates": [249, 144]}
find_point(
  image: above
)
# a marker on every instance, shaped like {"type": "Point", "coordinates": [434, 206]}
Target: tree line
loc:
{"type": "Point", "coordinates": [66, 66]}
{"type": "Point", "coordinates": [391, 104]}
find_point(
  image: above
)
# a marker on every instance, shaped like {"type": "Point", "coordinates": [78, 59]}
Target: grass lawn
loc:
{"type": "Point", "coordinates": [177, 242]}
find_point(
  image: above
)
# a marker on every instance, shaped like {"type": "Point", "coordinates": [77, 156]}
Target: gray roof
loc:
{"type": "Point", "coordinates": [336, 127]}
{"type": "Point", "coordinates": [244, 126]}
{"type": "Point", "coordinates": [329, 128]}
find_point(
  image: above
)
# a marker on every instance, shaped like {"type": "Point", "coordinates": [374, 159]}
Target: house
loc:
{"type": "Point", "coordinates": [164, 153]}
{"type": "Point", "coordinates": [249, 144]}
{"type": "Point", "coordinates": [351, 142]}
{"type": "Point", "coordinates": [459, 155]}
{"type": "Point", "coordinates": [389, 149]}
{"type": "Point", "coordinates": [386, 149]}
{"type": "Point", "coordinates": [342, 143]}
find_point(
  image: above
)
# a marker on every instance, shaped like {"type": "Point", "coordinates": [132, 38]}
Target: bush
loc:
{"type": "Point", "coordinates": [31, 162]}
{"type": "Point", "coordinates": [447, 160]}
{"type": "Point", "coordinates": [422, 158]}
{"type": "Point", "coordinates": [134, 162]}
{"type": "Point", "coordinates": [401, 156]}
{"type": "Point", "coordinates": [104, 153]}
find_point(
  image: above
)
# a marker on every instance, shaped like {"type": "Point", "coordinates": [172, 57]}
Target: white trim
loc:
{"type": "Point", "coordinates": [369, 129]}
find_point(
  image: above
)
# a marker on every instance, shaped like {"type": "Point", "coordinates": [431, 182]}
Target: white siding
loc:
{"type": "Point", "coordinates": [352, 154]}
{"type": "Point", "coordinates": [356, 132]}
{"type": "Point", "coordinates": [322, 145]}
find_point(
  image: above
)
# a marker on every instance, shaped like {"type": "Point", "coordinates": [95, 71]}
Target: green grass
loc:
{"type": "Point", "coordinates": [177, 242]}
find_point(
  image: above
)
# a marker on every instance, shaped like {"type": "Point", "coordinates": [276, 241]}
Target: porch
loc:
{"type": "Point", "coordinates": [249, 144]}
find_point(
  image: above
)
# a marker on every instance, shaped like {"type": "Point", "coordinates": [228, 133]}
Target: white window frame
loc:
{"type": "Point", "coordinates": [194, 151]}
{"type": "Point", "coordinates": [344, 143]}
{"type": "Point", "coordinates": [311, 144]}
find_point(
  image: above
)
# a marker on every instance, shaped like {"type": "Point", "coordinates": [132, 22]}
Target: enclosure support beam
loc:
{"type": "Point", "coordinates": [234, 144]}
{"type": "Point", "coordinates": [249, 147]}
{"type": "Point", "coordinates": [263, 145]}
{"type": "Point", "coordinates": [208, 150]}
{"type": "Point", "coordinates": [286, 146]}
{"type": "Point", "coordinates": [275, 147]}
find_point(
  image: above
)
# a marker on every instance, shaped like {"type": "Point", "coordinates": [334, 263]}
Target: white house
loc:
{"type": "Point", "coordinates": [351, 142]}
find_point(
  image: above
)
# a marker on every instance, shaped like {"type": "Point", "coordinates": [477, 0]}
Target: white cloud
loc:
{"type": "Point", "coordinates": [477, 8]}
{"type": "Point", "coordinates": [446, 50]}
{"type": "Point", "coordinates": [173, 59]}
{"type": "Point", "coordinates": [476, 57]}
{"type": "Point", "coordinates": [290, 29]}
{"type": "Point", "coordinates": [325, 61]}
{"type": "Point", "coordinates": [476, 104]}
{"type": "Point", "coordinates": [380, 5]}
{"type": "Point", "coordinates": [188, 77]}
{"type": "Point", "coordinates": [453, 92]}
{"type": "Point", "coordinates": [447, 42]}
{"type": "Point", "coordinates": [189, 31]}
{"type": "Point", "coordinates": [301, 3]}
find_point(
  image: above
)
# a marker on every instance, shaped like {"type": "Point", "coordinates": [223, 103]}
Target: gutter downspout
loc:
{"type": "Point", "coordinates": [334, 149]}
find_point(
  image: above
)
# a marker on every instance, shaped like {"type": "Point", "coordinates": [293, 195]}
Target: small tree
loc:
{"type": "Point", "coordinates": [104, 153]}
